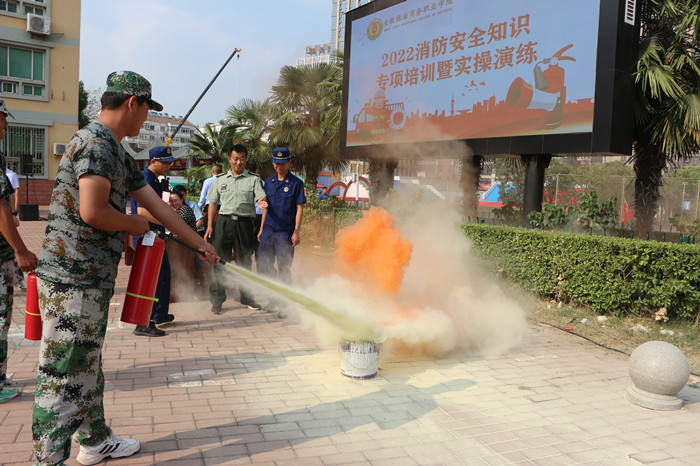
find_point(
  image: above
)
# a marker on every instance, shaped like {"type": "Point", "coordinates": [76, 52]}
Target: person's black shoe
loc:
{"type": "Point", "coordinates": [143, 331]}
{"type": "Point", "coordinates": [216, 308]}
{"type": "Point", "coordinates": [252, 305]}
{"type": "Point", "coordinates": [168, 318]}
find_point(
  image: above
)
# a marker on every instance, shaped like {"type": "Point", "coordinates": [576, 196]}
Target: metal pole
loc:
{"type": "Point", "coordinates": [622, 208]}
{"type": "Point", "coordinates": [683, 199]}
{"type": "Point", "coordinates": [697, 200]}
{"type": "Point", "coordinates": [357, 184]}
{"type": "Point", "coordinates": [184, 119]}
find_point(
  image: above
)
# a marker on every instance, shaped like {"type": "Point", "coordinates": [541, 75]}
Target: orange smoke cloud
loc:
{"type": "Point", "coordinates": [439, 302]}
{"type": "Point", "coordinates": [372, 252]}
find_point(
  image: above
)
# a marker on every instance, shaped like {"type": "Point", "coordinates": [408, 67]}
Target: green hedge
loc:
{"type": "Point", "coordinates": [611, 275]}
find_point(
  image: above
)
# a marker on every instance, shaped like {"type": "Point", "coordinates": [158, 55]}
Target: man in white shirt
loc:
{"type": "Point", "coordinates": [216, 169]}
{"type": "Point", "coordinates": [14, 198]}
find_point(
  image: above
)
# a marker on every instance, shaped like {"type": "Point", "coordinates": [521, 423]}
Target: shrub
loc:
{"type": "Point", "coordinates": [611, 275]}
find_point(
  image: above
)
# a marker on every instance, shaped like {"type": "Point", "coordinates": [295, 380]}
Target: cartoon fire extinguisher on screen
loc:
{"type": "Point", "coordinates": [549, 93]}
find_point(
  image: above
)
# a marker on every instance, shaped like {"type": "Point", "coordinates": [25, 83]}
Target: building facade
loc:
{"type": "Point", "coordinates": [39, 74]}
{"type": "Point", "coordinates": [315, 54]}
{"type": "Point", "coordinates": [338, 10]}
{"type": "Point", "coordinates": [157, 128]}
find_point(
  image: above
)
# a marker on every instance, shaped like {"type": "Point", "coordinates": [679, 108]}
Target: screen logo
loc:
{"type": "Point", "coordinates": [374, 30]}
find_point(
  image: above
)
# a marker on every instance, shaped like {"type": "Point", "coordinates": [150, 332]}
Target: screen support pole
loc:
{"type": "Point", "coordinates": [535, 166]}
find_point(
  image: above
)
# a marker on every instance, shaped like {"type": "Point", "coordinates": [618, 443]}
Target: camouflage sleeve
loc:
{"type": "Point", "coordinates": [5, 186]}
{"type": "Point", "coordinates": [96, 157]}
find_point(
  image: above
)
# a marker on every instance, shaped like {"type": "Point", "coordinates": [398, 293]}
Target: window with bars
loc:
{"type": "Point", "coordinates": [22, 72]}
{"type": "Point", "coordinates": [20, 140]}
{"type": "Point", "coordinates": [33, 10]}
{"type": "Point", "coordinates": [22, 7]}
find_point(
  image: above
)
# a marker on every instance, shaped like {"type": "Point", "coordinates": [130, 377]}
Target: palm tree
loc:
{"type": "Point", "coordinates": [306, 100]}
{"type": "Point", "coordinates": [668, 98]}
{"type": "Point", "coordinates": [254, 120]}
{"type": "Point", "coordinates": [214, 144]}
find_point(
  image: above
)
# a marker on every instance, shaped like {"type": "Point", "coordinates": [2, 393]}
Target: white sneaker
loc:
{"type": "Point", "coordinates": [113, 447]}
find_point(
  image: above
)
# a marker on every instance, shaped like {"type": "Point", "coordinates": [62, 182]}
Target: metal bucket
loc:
{"type": "Point", "coordinates": [359, 359]}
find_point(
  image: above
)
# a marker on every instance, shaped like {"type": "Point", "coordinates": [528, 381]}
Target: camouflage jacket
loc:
{"type": "Point", "coordinates": [73, 252]}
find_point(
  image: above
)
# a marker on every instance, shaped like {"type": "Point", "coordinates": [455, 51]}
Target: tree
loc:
{"type": "Point", "coordinates": [82, 105]}
{"type": "Point", "coordinates": [88, 104]}
{"type": "Point", "coordinates": [510, 174]}
{"type": "Point", "coordinates": [560, 182]}
{"type": "Point", "coordinates": [667, 111]}
{"type": "Point", "coordinates": [589, 213]}
{"type": "Point", "coordinates": [608, 179]}
{"type": "Point", "coordinates": [213, 143]}
{"type": "Point", "coordinates": [679, 186]}
{"type": "Point", "coordinates": [306, 101]}
{"type": "Point", "coordinates": [254, 121]}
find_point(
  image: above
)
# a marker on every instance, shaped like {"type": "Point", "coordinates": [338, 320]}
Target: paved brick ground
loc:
{"type": "Point", "coordinates": [244, 387]}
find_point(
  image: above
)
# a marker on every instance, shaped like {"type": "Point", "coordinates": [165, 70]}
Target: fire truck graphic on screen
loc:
{"type": "Point", "coordinates": [377, 116]}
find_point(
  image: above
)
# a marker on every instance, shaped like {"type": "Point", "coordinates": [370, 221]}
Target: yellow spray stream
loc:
{"type": "Point", "coordinates": [354, 329]}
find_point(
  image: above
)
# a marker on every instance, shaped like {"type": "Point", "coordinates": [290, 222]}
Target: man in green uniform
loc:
{"type": "Point", "coordinates": [11, 246]}
{"type": "Point", "coordinates": [77, 270]}
{"type": "Point", "coordinates": [236, 191]}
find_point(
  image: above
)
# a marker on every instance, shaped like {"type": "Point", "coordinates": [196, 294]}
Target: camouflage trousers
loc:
{"type": "Point", "coordinates": [70, 383]}
{"type": "Point", "coordinates": [10, 275]}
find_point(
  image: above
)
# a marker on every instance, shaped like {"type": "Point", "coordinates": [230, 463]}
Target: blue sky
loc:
{"type": "Point", "coordinates": [179, 46]}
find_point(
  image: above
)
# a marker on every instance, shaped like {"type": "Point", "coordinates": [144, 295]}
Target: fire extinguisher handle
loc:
{"type": "Point", "coordinates": [170, 236]}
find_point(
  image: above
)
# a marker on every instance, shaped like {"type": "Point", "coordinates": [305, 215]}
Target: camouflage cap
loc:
{"type": "Point", "coordinates": [3, 109]}
{"type": "Point", "coordinates": [130, 83]}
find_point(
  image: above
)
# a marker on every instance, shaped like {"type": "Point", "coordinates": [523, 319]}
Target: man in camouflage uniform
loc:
{"type": "Point", "coordinates": [77, 270]}
{"type": "Point", "coordinates": [11, 246]}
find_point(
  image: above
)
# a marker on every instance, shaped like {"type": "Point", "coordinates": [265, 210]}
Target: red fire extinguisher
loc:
{"type": "Point", "coordinates": [32, 320]}
{"type": "Point", "coordinates": [141, 291]}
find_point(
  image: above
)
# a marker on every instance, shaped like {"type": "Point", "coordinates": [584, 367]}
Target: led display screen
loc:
{"type": "Point", "coordinates": [519, 72]}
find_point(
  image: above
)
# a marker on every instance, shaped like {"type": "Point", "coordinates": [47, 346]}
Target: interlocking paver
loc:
{"type": "Point", "coordinates": [244, 387]}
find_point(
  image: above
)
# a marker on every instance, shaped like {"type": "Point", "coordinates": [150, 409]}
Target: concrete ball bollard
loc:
{"type": "Point", "coordinates": [658, 371]}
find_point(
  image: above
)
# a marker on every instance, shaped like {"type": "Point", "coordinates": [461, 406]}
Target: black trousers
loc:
{"type": "Point", "coordinates": [229, 234]}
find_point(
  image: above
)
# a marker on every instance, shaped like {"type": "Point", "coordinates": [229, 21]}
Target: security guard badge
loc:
{"type": "Point", "coordinates": [286, 189]}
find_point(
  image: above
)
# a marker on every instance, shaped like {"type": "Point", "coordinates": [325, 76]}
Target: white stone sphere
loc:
{"type": "Point", "coordinates": [659, 367]}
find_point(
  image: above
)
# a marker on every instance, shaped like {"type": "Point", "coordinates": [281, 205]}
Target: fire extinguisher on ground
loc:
{"type": "Point", "coordinates": [143, 280]}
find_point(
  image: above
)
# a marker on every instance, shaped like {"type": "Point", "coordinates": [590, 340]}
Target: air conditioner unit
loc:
{"type": "Point", "coordinates": [59, 148]}
{"type": "Point", "coordinates": [37, 24]}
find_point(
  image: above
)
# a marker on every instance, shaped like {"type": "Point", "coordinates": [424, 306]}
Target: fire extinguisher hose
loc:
{"type": "Point", "coordinates": [170, 236]}
{"type": "Point", "coordinates": [141, 297]}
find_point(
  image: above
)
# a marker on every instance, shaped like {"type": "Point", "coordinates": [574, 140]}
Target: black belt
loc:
{"type": "Point", "coordinates": [239, 218]}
